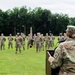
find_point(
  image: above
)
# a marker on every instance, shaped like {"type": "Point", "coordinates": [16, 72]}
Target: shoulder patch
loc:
{"type": "Point", "coordinates": [68, 46]}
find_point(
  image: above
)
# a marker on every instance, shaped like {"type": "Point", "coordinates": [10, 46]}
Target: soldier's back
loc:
{"type": "Point", "coordinates": [68, 57]}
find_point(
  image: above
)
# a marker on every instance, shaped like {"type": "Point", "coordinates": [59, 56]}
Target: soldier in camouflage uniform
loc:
{"type": "Point", "coordinates": [10, 43]}
{"type": "Point", "coordinates": [49, 41]}
{"type": "Point", "coordinates": [52, 43]}
{"type": "Point", "coordinates": [18, 41]}
{"type": "Point", "coordinates": [23, 40]}
{"type": "Point", "coordinates": [42, 42]}
{"type": "Point", "coordinates": [46, 41]}
{"type": "Point", "coordinates": [2, 39]}
{"type": "Point", "coordinates": [38, 43]}
{"type": "Point", "coordinates": [64, 55]}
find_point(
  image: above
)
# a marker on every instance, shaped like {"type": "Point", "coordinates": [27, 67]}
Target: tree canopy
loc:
{"type": "Point", "coordinates": [41, 20]}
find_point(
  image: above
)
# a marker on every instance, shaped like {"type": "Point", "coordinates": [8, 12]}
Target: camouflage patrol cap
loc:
{"type": "Point", "coordinates": [71, 29]}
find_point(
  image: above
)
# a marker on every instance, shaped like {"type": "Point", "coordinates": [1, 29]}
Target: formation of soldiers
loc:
{"type": "Point", "coordinates": [39, 41]}
{"type": "Point", "coordinates": [19, 42]}
{"type": "Point", "coordinates": [45, 42]}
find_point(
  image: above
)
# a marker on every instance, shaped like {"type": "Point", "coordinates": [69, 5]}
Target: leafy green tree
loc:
{"type": "Point", "coordinates": [1, 21]}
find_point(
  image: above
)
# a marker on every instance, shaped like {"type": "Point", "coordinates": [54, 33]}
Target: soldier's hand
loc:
{"type": "Point", "coordinates": [51, 59]}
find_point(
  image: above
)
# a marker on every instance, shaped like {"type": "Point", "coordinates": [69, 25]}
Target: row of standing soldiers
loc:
{"type": "Point", "coordinates": [40, 42]}
{"type": "Point", "coordinates": [19, 42]}
{"type": "Point", "coordinates": [45, 42]}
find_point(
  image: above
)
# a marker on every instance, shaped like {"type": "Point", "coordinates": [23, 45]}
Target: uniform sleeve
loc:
{"type": "Point", "coordinates": [57, 57]}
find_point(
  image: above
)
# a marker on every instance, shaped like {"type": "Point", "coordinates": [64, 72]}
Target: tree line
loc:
{"type": "Point", "coordinates": [41, 20]}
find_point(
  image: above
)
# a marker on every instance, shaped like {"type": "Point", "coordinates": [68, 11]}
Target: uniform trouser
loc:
{"type": "Point", "coordinates": [52, 43]}
{"type": "Point", "coordinates": [42, 46]}
{"type": "Point", "coordinates": [46, 45]}
{"type": "Point", "coordinates": [38, 47]}
{"type": "Point", "coordinates": [2, 46]}
{"type": "Point", "coordinates": [23, 45]}
{"type": "Point", "coordinates": [28, 44]}
{"type": "Point", "coordinates": [34, 43]}
{"type": "Point", "coordinates": [10, 45]}
{"type": "Point", "coordinates": [49, 44]}
{"type": "Point", "coordinates": [18, 48]}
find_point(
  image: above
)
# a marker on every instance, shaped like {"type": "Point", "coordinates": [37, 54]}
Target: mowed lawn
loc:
{"type": "Point", "coordinates": [26, 63]}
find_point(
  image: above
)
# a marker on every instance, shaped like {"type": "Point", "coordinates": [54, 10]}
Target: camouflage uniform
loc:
{"type": "Point", "coordinates": [64, 55]}
{"type": "Point", "coordinates": [46, 41]}
{"type": "Point", "coordinates": [42, 42]}
{"type": "Point", "coordinates": [10, 39]}
{"type": "Point", "coordinates": [52, 43]}
{"type": "Point", "coordinates": [38, 43]}
{"type": "Point", "coordinates": [23, 40]}
{"type": "Point", "coordinates": [18, 40]}
{"type": "Point", "coordinates": [49, 42]}
{"type": "Point", "coordinates": [3, 39]}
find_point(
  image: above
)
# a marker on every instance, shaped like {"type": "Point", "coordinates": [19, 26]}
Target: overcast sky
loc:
{"type": "Point", "coordinates": [56, 6]}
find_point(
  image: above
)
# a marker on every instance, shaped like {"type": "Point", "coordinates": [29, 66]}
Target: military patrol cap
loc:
{"type": "Point", "coordinates": [71, 29]}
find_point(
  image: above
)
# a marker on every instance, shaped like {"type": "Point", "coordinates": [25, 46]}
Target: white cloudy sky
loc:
{"type": "Point", "coordinates": [56, 6]}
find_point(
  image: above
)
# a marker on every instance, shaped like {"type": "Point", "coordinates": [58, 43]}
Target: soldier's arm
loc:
{"type": "Point", "coordinates": [4, 39]}
{"type": "Point", "coordinates": [57, 59]}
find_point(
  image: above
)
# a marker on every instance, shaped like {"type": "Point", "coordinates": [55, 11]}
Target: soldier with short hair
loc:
{"type": "Point", "coordinates": [10, 43]}
{"type": "Point", "coordinates": [64, 56]}
{"type": "Point", "coordinates": [18, 41]}
{"type": "Point", "coordinates": [3, 39]}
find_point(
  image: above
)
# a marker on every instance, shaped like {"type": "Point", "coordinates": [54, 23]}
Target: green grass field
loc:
{"type": "Point", "coordinates": [26, 63]}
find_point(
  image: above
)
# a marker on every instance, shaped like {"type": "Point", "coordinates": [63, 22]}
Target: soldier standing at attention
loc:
{"type": "Point", "coordinates": [46, 41]}
{"type": "Point", "coordinates": [38, 42]}
{"type": "Point", "coordinates": [10, 39]}
{"type": "Point", "coordinates": [18, 41]}
{"type": "Point", "coordinates": [3, 39]}
{"type": "Point", "coordinates": [52, 42]}
{"type": "Point", "coordinates": [49, 41]}
{"type": "Point", "coordinates": [64, 56]}
{"type": "Point", "coordinates": [23, 40]}
{"type": "Point", "coordinates": [42, 42]}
